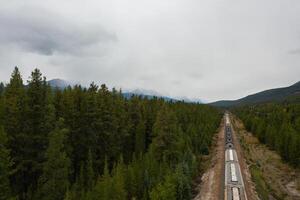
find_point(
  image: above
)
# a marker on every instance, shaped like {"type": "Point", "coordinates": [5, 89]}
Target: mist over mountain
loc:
{"type": "Point", "coordinates": [151, 93]}
{"type": "Point", "coordinates": [62, 84]}
{"type": "Point", "coordinates": [59, 83]}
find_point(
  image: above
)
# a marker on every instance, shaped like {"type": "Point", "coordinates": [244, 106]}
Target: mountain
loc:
{"type": "Point", "coordinates": [150, 94]}
{"type": "Point", "coordinates": [59, 83]}
{"type": "Point", "coordinates": [62, 84]}
{"type": "Point", "coordinates": [190, 100]}
{"type": "Point", "coordinates": [145, 92]}
{"type": "Point", "coordinates": [273, 95]}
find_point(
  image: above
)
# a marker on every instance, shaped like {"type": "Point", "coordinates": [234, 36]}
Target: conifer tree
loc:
{"type": "Point", "coordinates": [36, 129]}
{"type": "Point", "coordinates": [275, 124]}
{"type": "Point", "coordinates": [103, 188]}
{"type": "Point", "coordinates": [5, 166]}
{"type": "Point", "coordinates": [68, 195]}
{"type": "Point", "coordinates": [89, 172]}
{"type": "Point", "coordinates": [140, 138]}
{"type": "Point", "coordinates": [1, 88]}
{"type": "Point", "coordinates": [183, 188]}
{"type": "Point", "coordinates": [166, 133]}
{"type": "Point", "coordinates": [118, 181]}
{"type": "Point", "coordinates": [54, 180]}
{"type": "Point", "coordinates": [154, 136]}
{"type": "Point", "coordinates": [165, 190]}
{"type": "Point", "coordinates": [14, 104]}
{"type": "Point", "coordinates": [14, 112]}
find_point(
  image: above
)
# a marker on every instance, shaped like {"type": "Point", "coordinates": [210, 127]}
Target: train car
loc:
{"type": "Point", "coordinates": [235, 193]}
{"type": "Point", "coordinates": [233, 173]}
{"type": "Point", "coordinates": [227, 120]}
{"type": "Point", "coordinates": [230, 155]}
{"type": "Point", "coordinates": [230, 152]}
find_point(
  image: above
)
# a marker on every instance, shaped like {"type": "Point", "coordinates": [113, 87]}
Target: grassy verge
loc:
{"type": "Point", "coordinates": [262, 188]}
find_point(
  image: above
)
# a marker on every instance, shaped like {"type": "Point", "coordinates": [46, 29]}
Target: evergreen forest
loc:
{"type": "Point", "coordinates": [94, 144]}
{"type": "Point", "coordinates": [277, 125]}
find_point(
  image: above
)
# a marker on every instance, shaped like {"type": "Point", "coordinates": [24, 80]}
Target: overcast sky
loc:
{"type": "Point", "coordinates": [208, 49]}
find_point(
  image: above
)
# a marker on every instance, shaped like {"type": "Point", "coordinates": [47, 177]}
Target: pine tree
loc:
{"type": "Point", "coordinates": [89, 172]}
{"type": "Point", "coordinates": [103, 188]}
{"type": "Point", "coordinates": [5, 165]}
{"type": "Point", "coordinates": [140, 138]}
{"type": "Point", "coordinates": [2, 87]}
{"type": "Point", "coordinates": [68, 195]}
{"type": "Point", "coordinates": [165, 190]}
{"type": "Point", "coordinates": [183, 188]}
{"type": "Point", "coordinates": [106, 183]}
{"type": "Point", "coordinates": [137, 171]}
{"type": "Point", "coordinates": [166, 133]}
{"type": "Point", "coordinates": [118, 183]}
{"type": "Point", "coordinates": [14, 104]}
{"type": "Point", "coordinates": [36, 129]}
{"type": "Point", "coordinates": [14, 112]}
{"type": "Point", "coordinates": [107, 127]}
{"type": "Point", "coordinates": [54, 180]}
{"type": "Point", "coordinates": [80, 183]}
{"type": "Point", "coordinates": [153, 135]}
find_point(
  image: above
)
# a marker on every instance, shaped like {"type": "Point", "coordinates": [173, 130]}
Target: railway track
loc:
{"type": "Point", "coordinates": [234, 184]}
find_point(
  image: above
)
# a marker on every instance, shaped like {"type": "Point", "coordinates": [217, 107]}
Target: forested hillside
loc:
{"type": "Point", "coordinates": [277, 125]}
{"type": "Point", "coordinates": [94, 144]}
{"type": "Point", "coordinates": [267, 96]}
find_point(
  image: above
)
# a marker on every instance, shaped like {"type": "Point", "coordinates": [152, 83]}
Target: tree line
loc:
{"type": "Point", "coordinates": [277, 125]}
{"type": "Point", "coordinates": [94, 144]}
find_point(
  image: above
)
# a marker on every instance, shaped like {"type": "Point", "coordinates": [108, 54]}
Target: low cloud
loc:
{"type": "Point", "coordinates": [212, 49]}
{"type": "Point", "coordinates": [47, 34]}
{"type": "Point", "coordinates": [295, 51]}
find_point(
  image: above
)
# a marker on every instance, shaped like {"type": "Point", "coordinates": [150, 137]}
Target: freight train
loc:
{"type": "Point", "coordinates": [234, 185]}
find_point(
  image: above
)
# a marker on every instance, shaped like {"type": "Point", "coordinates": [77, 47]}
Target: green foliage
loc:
{"type": "Point", "coordinates": [118, 181]}
{"type": "Point", "coordinates": [165, 190]}
{"type": "Point", "coordinates": [5, 164]}
{"type": "Point", "coordinates": [102, 190]}
{"type": "Point", "coordinates": [2, 87]}
{"type": "Point", "coordinates": [285, 94]}
{"type": "Point", "coordinates": [140, 137]}
{"type": "Point", "coordinates": [276, 125]}
{"type": "Point", "coordinates": [108, 147]}
{"type": "Point", "coordinates": [167, 133]}
{"type": "Point", "coordinates": [90, 175]}
{"type": "Point", "coordinates": [14, 112]}
{"type": "Point", "coordinates": [54, 180]}
{"type": "Point", "coordinates": [261, 185]}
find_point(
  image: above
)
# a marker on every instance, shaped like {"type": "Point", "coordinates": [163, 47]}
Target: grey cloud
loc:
{"type": "Point", "coordinates": [214, 49]}
{"type": "Point", "coordinates": [176, 82]}
{"type": "Point", "coordinates": [41, 35]}
{"type": "Point", "coordinates": [295, 51]}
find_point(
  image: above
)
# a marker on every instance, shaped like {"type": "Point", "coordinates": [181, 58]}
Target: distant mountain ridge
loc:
{"type": "Point", "coordinates": [59, 83]}
{"type": "Point", "coordinates": [272, 95]}
{"type": "Point", "coordinates": [150, 94]}
{"type": "Point", "coordinates": [128, 95]}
